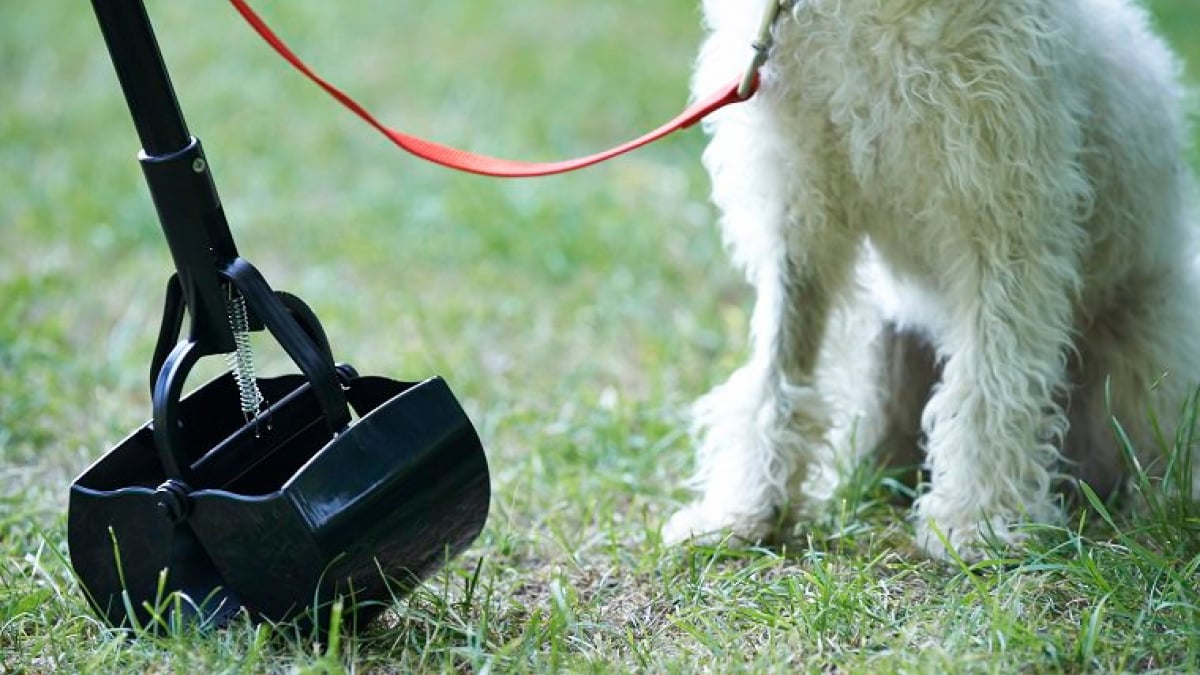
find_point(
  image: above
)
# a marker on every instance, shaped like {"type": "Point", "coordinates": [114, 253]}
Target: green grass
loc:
{"type": "Point", "coordinates": [575, 316]}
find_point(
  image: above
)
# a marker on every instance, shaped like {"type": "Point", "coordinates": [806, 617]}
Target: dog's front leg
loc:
{"type": "Point", "coordinates": [760, 432]}
{"type": "Point", "coordinates": [994, 423]}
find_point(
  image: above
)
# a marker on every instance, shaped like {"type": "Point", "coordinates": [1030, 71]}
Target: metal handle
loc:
{"type": "Point", "coordinates": [143, 75]}
{"type": "Point", "coordinates": [176, 171]}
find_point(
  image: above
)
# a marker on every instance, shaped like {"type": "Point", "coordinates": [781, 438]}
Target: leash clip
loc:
{"type": "Point", "coordinates": [762, 44]}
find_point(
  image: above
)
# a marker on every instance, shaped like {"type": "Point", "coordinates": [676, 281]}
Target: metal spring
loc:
{"type": "Point", "coordinates": [241, 359]}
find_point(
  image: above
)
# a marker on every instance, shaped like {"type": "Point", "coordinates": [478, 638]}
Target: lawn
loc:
{"type": "Point", "coordinates": [575, 316]}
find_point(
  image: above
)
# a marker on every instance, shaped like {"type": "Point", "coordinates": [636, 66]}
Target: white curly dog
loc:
{"type": "Point", "coordinates": [967, 226]}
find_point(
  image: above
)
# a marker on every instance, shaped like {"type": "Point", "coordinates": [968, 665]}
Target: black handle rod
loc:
{"type": "Point", "coordinates": [143, 76]}
{"type": "Point", "coordinates": [176, 171]}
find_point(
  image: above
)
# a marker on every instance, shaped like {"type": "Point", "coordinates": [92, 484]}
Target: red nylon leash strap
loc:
{"type": "Point", "coordinates": [483, 164]}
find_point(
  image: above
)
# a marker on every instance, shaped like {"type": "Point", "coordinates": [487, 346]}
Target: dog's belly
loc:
{"type": "Point", "coordinates": [906, 300]}
{"type": "Point", "coordinates": [905, 245]}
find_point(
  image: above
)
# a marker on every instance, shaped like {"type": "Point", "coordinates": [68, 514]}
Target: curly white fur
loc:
{"type": "Point", "coordinates": [963, 220]}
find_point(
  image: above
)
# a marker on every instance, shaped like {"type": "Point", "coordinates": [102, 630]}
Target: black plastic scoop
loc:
{"type": "Point", "coordinates": [272, 495]}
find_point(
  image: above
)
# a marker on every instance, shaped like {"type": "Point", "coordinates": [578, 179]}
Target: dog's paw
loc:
{"type": "Point", "coordinates": [699, 525]}
{"type": "Point", "coordinates": [969, 541]}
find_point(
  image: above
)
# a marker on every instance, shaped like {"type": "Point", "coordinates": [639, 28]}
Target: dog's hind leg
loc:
{"type": "Point", "coordinates": [880, 413]}
{"type": "Point", "coordinates": [877, 375]}
{"type": "Point", "coordinates": [1138, 363]}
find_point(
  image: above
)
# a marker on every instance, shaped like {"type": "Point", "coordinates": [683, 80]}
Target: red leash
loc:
{"type": "Point", "coordinates": [482, 164]}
